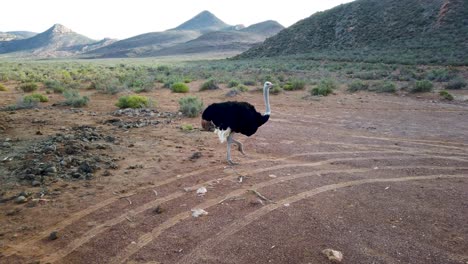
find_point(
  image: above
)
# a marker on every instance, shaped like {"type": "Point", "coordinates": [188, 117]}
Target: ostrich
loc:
{"type": "Point", "coordinates": [228, 118]}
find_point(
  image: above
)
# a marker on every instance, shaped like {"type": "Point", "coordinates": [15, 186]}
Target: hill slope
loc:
{"type": "Point", "coordinates": [52, 42]}
{"type": "Point", "coordinates": [15, 35]}
{"type": "Point", "coordinates": [232, 40]}
{"type": "Point", "coordinates": [399, 30]}
{"type": "Point", "coordinates": [203, 22]}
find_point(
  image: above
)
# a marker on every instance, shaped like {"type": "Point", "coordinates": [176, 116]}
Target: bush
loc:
{"type": "Point", "coordinates": [294, 85]}
{"type": "Point", "coordinates": [276, 90]}
{"type": "Point", "coordinates": [186, 127]}
{"type": "Point", "coordinates": [133, 101]}
{"type": "Point", "coordinates": [456, 84]}
{"type": "Point", "coordinates": [324, 88]}
{"type": "Point", "coordinates": [56, 86]}
{"type": "Point", "coordinates": [422, 86]}
{"type": "Point", "coordinates": [242, 88]}
{"type": "Point", "coordinates": [233, 83]}
{"type": "Point", "coordinates": [439, 75]}
{"type": "Point", "coordinates": [190, 106]}
{"type": "Point", "coordinates": [28, 87]}
{"type": "Point", "coordinates": [35, 97]}
{"type": "Point", "coordinates": [74, 99]}
{"type": "Point", "coordinates": [358, 86]}
{"type": "Point", "coordinates": [249, 82]}
{"type": "Point", "coordinates": [209, 85]}
{"type": "Point", "coordinates": [180, 88]}
{"type": "Point", "coordinates": [384, 87]}
{"type": "Point", "coordinates": [3, 88]}
{"type": "Point", "coordinates": [446, 95]}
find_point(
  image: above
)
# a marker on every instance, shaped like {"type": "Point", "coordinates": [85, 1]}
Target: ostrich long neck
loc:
{"type": "Point", "coordinates": [266, 95]}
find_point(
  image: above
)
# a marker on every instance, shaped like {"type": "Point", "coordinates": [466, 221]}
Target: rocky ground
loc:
{"type": "Point", "coordinates": [358, 178]}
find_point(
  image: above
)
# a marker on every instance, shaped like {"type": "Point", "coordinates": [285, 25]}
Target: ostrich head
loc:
{"type": "Point", "coordinates": [267, 85]}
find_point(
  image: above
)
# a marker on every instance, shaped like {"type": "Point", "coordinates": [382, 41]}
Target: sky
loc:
{"type": "Point", "coordinates": [121, 19]}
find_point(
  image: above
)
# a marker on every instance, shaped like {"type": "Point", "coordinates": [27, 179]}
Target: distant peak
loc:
{"type": "Point", "coordinates": [60, 29]}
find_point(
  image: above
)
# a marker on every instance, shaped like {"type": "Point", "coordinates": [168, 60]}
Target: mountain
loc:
{"type": "Point", "coordinates": [52, 42]}
{"type": "Point", "coordinates": [15, 35]}
{"type": "Point", "coordinates": [230, 40]}
{"type": "Point", "coordinates": [377, 30]}
{"type": "Point", "coordinates": [150, 43]}
{"type": "Point", "coordinates": [203, 22]}
{"type": "Point", "coordinates": [143, 44]}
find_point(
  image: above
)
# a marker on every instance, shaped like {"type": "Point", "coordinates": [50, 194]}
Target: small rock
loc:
{"type": "Point", "coordinates": [198, 212]}
{"type": "Point", "coordinates": [51, 170]}
{"type": "Point", "coordinates": [13, 212]}
{"type": "Point", "coordinates": [6, 145]}
{"type": "Point", "coordinates": [333, 255]}
{"type": "Point", "coordinates": [36, 183]}
{"type": "Point", "coordinates": [196, 156]}
{"type": "Point", "coordinates": [201, 191]}
{"type": "Point", "coordinates": [20, 199]}
{"type": "Point", "coordinates": [39, 132]}
{"type": "Point", "coordinates": [106, 173]}
{"type": "Point", "coordinates": [158, 210]}
{"type": "Point", "coordinates": [53, 235]}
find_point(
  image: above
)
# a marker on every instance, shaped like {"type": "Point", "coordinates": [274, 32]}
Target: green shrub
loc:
{"type": "Point", "coordinates": [180, 88]}
{"type": "Point", "coordinates": [384, 87]}
{"type": "Point", "coordinates": [357, 86]}
{"type": "Point", "coordinates": [276, 90]}
{"type": "Point", "coordinates": [233, 83]}
{"type": "Point", "coordinates": [249, 82]}
{"type": "Point", "coordinates": [3, 88]}
{"type": "Point", "coordinates": [133, 101]}
{"type": "Point", "coordinates": [242, 88]}
{"type": "Point", "coordinates": [36, 97]}
{"type": "Point", "coordinates": [28, 87]}
{"type": "Point", "coordinates": [187, 80]}
{"type": "Point", "coordinates": [74, 99]}
{"type": "Point", "coordinates": [440, 75]}
{"type": "Point", "coordinates": [324, 88]}
{"type": "Point", "coordinates": [190, 106]}
{"type": "Point", "coordinates": [422, 86]}
{"type": "Point", "coordinates": [446, 95]}
{"type": "Point", "coordinates": [209, 85]}
{"type": "Point", "coordinates": [294, 85]}
{"type": "Point", "coordinates": [186, 127]}
{"type": "Point", "coordinates": [56, 86]}
{"type": "Point", "coordinates": [456, 84]}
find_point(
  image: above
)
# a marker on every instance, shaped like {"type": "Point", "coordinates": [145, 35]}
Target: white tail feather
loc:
{"type": "Point", "coordinates": [223, 134]}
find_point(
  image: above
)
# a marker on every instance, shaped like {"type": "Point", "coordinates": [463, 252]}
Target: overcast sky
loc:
{"type": "Point", "coordinates": [126, 18]}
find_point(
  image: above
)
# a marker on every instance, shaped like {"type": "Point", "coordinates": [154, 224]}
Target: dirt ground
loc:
{"type": "Point", "coordinates": [380, 178]}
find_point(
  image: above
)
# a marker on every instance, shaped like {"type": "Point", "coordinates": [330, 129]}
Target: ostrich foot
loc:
{"type": "Point", "coordinates": [232, 163]}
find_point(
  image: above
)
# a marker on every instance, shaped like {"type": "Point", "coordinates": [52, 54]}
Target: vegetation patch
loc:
{"type": "Point", "coordinates": [456, 84]}
{"type": "Point", "coordinates": [133, 101]}
{"type": "Point", "coordinates": [180, 88]}
{"type": "Point", "coordinates": [36, 97]}
{"type": "Point", "coordinates": [190, 106]}
{"type": "Point", "coordinates": [233, 83]}
{"type": "Point", "coordinates": [28, 87]}
{"type": "Point", "coordinates": [74, 99]}
{"type": "Point", "coordinates": [423, 86]}
{"type": "Point", "coordinates": [324, 88]}
{"type": "Point", "coordinates": [384, 87]}
{"type": "Point", "coordinates": [446, 95]}
{"type": "Point", "coordinates": [294, 85]}
{"type": "Point", "coordinates": [3, 88]}
{"type": "Point", "coordinates": [209, 85]}
{"type": "Point", "coordinates": [186, 127]}
{"type": "Point", "coordinates": [357, 86]}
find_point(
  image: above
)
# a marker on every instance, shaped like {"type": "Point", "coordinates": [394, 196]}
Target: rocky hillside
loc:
{"type": "Point", "coordinates": [203, 22]}
{"type": "Point", "coordinates": [57, 41]}
{"type": "Point", "coordinates": [407, 31]}
{"type": "Point", "coordinates": [15, 35]}
{"type": "Point", "coordinates": [229, 40]}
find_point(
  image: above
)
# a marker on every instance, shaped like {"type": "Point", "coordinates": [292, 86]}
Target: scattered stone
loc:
{"type": "Point", "coordinates": [53, 235]}
{"type": "Point", "coordinates": [195, 156]}
{"type": "Point", "coordinates": [39, 132]}
{"type": "Point", "coordinates": [158, 210]}
{"type": "Point", "coordinates": [106, 173]}
{"type": "Point", "coordinates": [198, 212]}
{"type": "Point", "coordinates": [36, 183]}
{"type": "Point", "coordinates": [201, 191]}
{"type": "Point", "coordinates": [20, 199]}
{"type": "Point", "coordinates": [13, 212]}
{"type": "Point", "coordinates": [333, 255]}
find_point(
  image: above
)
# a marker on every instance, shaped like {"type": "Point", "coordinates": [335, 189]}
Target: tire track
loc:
{"type": "Point", "coordinates": [69, 248]}
{"type": "Point", "coordinates": [157, 231]}
{"type": "Point", "coordinates": [205, 246]}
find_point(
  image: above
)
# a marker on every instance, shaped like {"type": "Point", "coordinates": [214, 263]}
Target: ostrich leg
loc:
{"type": "Point", "coordinates": [240, 147]}
{"type": "Point", "coordinates": [229, 142]}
